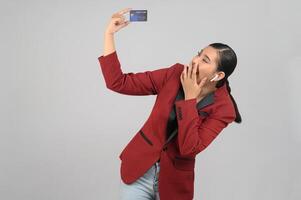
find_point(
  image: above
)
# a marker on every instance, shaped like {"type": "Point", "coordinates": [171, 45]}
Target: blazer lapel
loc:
{"type": "Point", "coordinates": [207, 100]}
{"type": "Point", "coordinates": [172, 127]}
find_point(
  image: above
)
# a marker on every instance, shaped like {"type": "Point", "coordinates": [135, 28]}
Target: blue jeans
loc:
{"type": "Point", "coordinates": [144, 188]}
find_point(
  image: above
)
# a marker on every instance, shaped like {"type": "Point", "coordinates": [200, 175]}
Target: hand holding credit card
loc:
{"type": "Point", "coordinates": [136, 16]}
{"type": "Point", "coordinates": [124, 17]}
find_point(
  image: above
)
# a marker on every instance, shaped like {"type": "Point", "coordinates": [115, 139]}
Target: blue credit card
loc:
{"type": "Point", "coordinates": [138, 15]}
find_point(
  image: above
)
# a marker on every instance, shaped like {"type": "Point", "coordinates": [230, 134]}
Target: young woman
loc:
{"type": "Point", "coordinates": [193, 105]}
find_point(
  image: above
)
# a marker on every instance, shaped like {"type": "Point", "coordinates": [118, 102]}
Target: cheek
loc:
{"type": "Point", "coordinates": [203, 71]}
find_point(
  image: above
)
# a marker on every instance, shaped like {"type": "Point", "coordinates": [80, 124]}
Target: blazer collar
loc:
{"type": "Point", "coordinates": [207, 100]}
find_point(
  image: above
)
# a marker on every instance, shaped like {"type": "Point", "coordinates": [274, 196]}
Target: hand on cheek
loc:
{"type": "Point", "coordinates": [191, 87]}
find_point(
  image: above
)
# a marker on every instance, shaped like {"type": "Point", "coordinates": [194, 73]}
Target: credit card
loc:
{"type": "Point", "coordinates": [138, 15]}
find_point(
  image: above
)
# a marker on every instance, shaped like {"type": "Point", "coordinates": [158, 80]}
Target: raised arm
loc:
{"type": "Point", "coordinates": [140, 83]}
{"type": "Point", "coordinates": [116, 22]}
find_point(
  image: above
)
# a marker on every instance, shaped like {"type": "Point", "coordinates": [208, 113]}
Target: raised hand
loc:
{"type": "Point", "coordinates": [117, 21]}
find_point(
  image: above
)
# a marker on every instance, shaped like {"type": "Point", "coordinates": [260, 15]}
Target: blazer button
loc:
{"type": "Point", "coordinates": [165, 148]}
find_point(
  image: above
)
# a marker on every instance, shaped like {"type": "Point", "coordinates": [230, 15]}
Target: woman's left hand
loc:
{"type": "Point", "coordinates": [189, 82]}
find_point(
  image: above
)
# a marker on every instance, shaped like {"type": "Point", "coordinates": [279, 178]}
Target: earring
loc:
{"type": "Point", "coordinates": [214, 78]}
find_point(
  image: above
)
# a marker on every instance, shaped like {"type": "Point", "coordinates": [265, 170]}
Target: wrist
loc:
{"type": "Point", "coordinates": [200, 97]}
{"type": "Point", "coordinates": [189, 97]}
{"type": "Point", "coordinates": [107, 33]}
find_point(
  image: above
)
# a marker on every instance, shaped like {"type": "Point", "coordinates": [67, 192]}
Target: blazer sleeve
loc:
{"type": "Point", "coordinates": [140, 83]}
{"type": "Point", "coordinates": [195, 132]}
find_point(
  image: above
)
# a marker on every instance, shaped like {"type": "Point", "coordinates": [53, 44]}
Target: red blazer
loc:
{"type": "Point", "coordinates": [198, 124]}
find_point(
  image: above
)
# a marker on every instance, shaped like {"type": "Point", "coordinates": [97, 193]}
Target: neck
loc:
{"type": "Point", "coordinates": [207, 89]}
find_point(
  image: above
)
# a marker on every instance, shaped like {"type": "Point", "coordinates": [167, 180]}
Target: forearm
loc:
{"type": "Point", "coordinates": [109, 45]}
{"type": "Point", "coordinates": [188, 122]}
{"type": "Point", "coordinates": [196, 131]}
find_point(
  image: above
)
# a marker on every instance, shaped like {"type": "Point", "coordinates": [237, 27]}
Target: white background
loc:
{"type": "Point", "coordinates": [62, 129]}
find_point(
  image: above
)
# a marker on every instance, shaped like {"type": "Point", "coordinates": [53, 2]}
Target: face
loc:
{"type": "Point", "coordinates": [206, 60]}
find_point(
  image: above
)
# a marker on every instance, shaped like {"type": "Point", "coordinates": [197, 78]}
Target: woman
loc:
{"type": "Point", "coordinates": [193, 105]}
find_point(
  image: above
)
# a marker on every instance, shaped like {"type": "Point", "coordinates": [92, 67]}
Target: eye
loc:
{"type": "Point", "coordinates": [205, 61]}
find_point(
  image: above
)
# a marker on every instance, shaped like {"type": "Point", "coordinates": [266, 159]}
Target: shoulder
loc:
{"type": "Point", "coordinates": [224, 108]}
{"type": "Point", "coordinates": [179, 66]}
{"type": "Point", "coordinates": [174, 70]}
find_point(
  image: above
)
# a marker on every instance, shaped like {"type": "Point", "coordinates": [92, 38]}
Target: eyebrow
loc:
{"type": "Point", "coordinates": [205, 55]}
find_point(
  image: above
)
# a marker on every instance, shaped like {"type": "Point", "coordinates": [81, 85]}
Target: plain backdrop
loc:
{"type": "Point", "coordinates": [62, 129]}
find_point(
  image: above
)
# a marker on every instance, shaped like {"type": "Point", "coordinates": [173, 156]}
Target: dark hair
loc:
{"type": "Point", "coordinates": [226, 62]}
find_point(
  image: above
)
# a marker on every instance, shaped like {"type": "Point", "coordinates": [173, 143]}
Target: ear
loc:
{"type": "Point", "coordinates": [221, 75]}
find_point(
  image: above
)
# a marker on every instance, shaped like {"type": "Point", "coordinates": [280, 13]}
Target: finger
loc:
{"type": "Point", "coordinates": [122, 21]}
{"type": "Point", "coordinates": [125, 24]}
{"type": "Point", "coordinates": [123, 18]}
{"type": "Point", "coordinates": [182, 75]}
{"type": "Point", "coordinates": [203, 81]}
{"type": "Point", "coordinates": [192, 69]}
{"type": "Point", "coordinates": [124, 11]}
{"type": "Point", "coordinates": [184, 71]}
{"type": "Point", "coordinates": [194, 73]}
{"type": "Point", "coordinates": [189, 71]}
{"type": "Point", "coordinates": [190, 63]}
{"type": "Point", "coordinates": [181, 78]}
{"type": "Point", "coordinates": [116, 15]}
